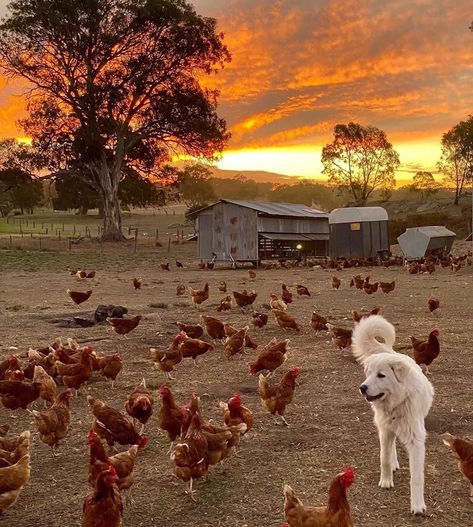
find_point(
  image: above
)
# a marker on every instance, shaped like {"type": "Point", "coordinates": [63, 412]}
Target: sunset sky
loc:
{"type": "Point", "coordinates": [301, 66]}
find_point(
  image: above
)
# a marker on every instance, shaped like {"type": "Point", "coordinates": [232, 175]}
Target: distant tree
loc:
{"type": "Point", "coordinates": [360, 160]}
{"type": "Point", "coordinates": [194, 184]}
{"type": "Point", "coordinates": [456, 162]}
{"type": "Point", "coordinates": [240, 187]}
{"type": "Point", "coordinates": [116, 84]}
{"type": "Point", "coordinates": [306, 192]}
{"type": "Point", "coordinates": [73, 192]}
{"type": "Point", "coordinates": [424, 183]}
{"type": "Point", "coordinates": [134, 191]}
{"type": "Point", "coordinates": [18, 186]}
{"type": "Point", "coordinates": [19, 190]}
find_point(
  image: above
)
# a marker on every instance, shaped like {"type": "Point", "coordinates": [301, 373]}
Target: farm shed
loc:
{"type": "Point", "coordinates": [250, 231]}
{"type": "Point", "coordinates": [417, 242]}
{"type": "Point", "coordinates": [360, 232]}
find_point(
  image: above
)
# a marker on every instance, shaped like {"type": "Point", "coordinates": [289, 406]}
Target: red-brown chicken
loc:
{"type": "Point", "coordinates": [53, 423]}
{"type": "Point", "coordinates": [104, 507]}
{"type": "Point", "coordinates": [370, 288]}
{"type": "Point", "coordinates": [341, 337]}
{"type": "Point", "coordinates": [123, 463]}
{"type": "Point", "coordinates": [193, 331]}
{"type": "Point", "coordinates": [259, 320]}
{"type": "Point", "coordinates": [244, 299]}
{"type": "Point", "coordinates": [114, 426]}
{"type": "Point", "coordinates": [234, 413]}
{"type": "Point", "coordinates": [387, 287]}
{"type": "Point", "coordinates": [249, 342]}
{"type": "Point", "coordinates": [214, 327]}
{"type": "Point", "coordinates": [222, 286]}
{"type": "Point", "coordinates": [13, 371]}
{"type": "Point", "coordinates": [18, 394]}
{"type": "Point", "coordinates": [358, 316]}
{"type": "Point", "coordinates": [171, 415]}
{"type": "Point", "coordinates": [285, 320]}
{"type": "Point", "coordinates": [191, 455]}
{"type": "Point", "coordinates": [13, 477]}
{"type": "Point", "coordinates": [199, 297]}
{"type": "Point", "coordinates": [123, 326]}
{"type": "Point", "coordinates": [78, 297]}
{"type": "Point", "coordinates": [166, 360]}
{"type": "Point", "coordinates": [336, 282]}
{"type": "Point", "coordinates": [286, 294]}
{"type": "Point", "coordinates": [48, 389]}
{"type": "Point", "coordinates": [318, 322]}
{"type": "Point", "coordinates": [426, 351]}
{"type": "Point", "coordinates": [137, 283]}
{"type": "Point", "coordinates": [225, 304]}
{"type": "Point", "coordinates": [75, 374]}
{"type": "Point", "coordinates": [302, 290]}
{"type": "Point", "coordinates": [193, 348]}
{"type": "Point", "coordinates": [433, 304]}
{"type": "Point", "coordinates": [463, 451]}
{"type": "Point", "coordinates": [235, 343]}
{"type": "Point", "coordinates": [110, 366]}
{"type": "Point", "coordinates": [140, 404]}
{"type": "Point", "coordinates": [271, 357]}
{"type": "Point", "coordinates": [335, 514]}
{"type": "Point", "coordinates": [180, 290]}
{"type": "Point", "coordinates": [275, 398]}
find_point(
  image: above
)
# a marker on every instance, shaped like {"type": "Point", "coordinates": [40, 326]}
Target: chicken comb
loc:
{"type": "Point", "coordinates": [295, 372]}
{"type": "Point", "coordinates": [348, 476]}
{"type": "Point", "coordinates": [117, 356]}
{"type": "Point", "coordinates": [91, 436]}
{"type": "Point", "coordinates": [236, 395]}
{"type": "Point", "coordinates": [143, 442]}
{"type": "Point", "coordinates": [111, 470]}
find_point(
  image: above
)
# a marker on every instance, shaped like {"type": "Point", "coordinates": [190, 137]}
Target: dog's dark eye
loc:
{"type": "Point", "coordinates": [381, 376]}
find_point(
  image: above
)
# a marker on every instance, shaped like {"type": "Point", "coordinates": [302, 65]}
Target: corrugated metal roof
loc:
{"type": "Point", "coordinates": [433, 231]}
{"type": "Point", "coordinates": [277, 209]}
{"type": "Point", "coordinates": [358, 214]}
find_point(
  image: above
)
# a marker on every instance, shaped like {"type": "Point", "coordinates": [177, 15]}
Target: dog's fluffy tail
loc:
{"type": "Point", "coordinates": [364, 339]}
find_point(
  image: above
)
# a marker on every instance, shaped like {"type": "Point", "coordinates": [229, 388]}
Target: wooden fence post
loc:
{"type": "Point", "coordinates": [59, 235]}
{"type": "Point", "coordinates": [157, 236]}
{"type": "Point", "coordinates": [40, 244]}
{"type": "Point", "coordinates": [69, 244]}
{"type": "Point", "coordinates": [11, 242]}
{"type": "Point", "coordinates": [136, 239]}
{"type": "Point", "coordinates": [169, 244]}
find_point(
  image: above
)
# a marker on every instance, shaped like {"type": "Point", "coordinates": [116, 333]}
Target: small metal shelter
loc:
{"type": "Point", "coordinates": [418, 242]}
{"type": "Point", "coordinates": [250, 231]}
{"type": "Point", "coordinates": [360, 232]}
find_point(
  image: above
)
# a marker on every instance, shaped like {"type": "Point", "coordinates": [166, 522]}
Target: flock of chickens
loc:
{"type": "Point", "coordinates": [196, 443]}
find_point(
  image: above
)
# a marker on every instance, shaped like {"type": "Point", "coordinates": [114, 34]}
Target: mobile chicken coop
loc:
{"type": "Point", "coordinates": [251, 231]}
{"type": "Point", "coordinates": [359, 232]}
{"type": "Point", "coordinates": [418, 242]}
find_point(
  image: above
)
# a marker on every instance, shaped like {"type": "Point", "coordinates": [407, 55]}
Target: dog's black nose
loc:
{"type": "Point", "coordinates": [363, 389]}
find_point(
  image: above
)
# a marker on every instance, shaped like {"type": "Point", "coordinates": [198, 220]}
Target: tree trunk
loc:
{"type": "Point", "coordinates": [112, 220]}
{"type": "Point", "coordinates": [457, 197]}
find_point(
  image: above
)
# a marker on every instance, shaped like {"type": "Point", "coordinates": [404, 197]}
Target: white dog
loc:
{"type": "Point", "coordinates": [401, 397]}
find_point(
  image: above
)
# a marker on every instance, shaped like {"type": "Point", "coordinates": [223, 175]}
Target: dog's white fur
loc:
{"type": "Point", "coordinates": [401, 411]}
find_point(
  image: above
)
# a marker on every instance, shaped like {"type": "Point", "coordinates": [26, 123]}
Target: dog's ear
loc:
{"type": "Point", "coordinates": [400, 371]}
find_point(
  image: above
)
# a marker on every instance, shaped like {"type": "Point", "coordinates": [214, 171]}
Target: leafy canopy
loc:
{"type": "Point", "coordinates": [360, 160]}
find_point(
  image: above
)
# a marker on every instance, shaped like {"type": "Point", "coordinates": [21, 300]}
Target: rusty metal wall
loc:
{"type": "Point", "coordinates": [205, 234]}
{"type": "Point", "coordinates": [234, 232]}
{"type": "Point", "coordinates": [293, 225]}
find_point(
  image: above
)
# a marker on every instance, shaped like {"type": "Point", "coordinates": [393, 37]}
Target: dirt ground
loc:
{"type": "Point", "coordinates": [330, 423]}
